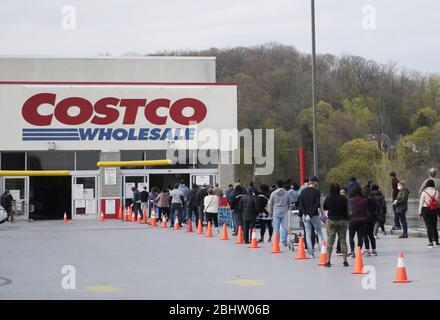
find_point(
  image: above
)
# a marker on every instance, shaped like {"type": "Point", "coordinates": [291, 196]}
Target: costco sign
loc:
{"type": "Point", "coordinates": [112, 116]}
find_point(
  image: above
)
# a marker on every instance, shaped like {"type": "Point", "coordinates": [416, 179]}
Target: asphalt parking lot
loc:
{"type": "Point", "coordinates": [123, 260]}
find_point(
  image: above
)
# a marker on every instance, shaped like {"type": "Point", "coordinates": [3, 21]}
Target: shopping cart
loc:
{"type": "Point", "coordinates": [294, 228]}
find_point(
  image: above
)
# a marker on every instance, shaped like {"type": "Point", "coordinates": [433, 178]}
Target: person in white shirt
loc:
{"type": "Point", "coordinates": [211, 208]}
{"type": "Point", "coordinates": [428, 209]}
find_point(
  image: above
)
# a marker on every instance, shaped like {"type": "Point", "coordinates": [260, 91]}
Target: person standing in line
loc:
{"type": "Point", "coordinates": [192, 203]}
{"type": "Point", "coordinates": [279, 204]}
{"type": "Point", "coordinates": [211, 208]}
{"type": "Point", "coordinates": [294, 195]}
{"type": "Point", "coordinates": [185, 190]}
{"type": "Point", "coordinates": [144, 200]}
{"type": "Point", "coordinates": [153, 203]}
{"type": "Point", "coordinates": [428, 210]}
{"type": "Point", "coordinates": [137, 202]}
{"type": "Point", "coordinates": [357, 212]}
{"type": "Point", "coordinates": [201, 194]}
{"type": "Point", "coordinates": [163, 204]}
{"type": "Point", "coordinates": [234, 200]}
{"type": "Point", "coordinates": [394, 183]}
{"type": "Point", "coordinates": [369, 223]}
{"type": "Point", "coordinates": [177, 201]}
{"type": "Point", "coordinates": [351, 185]}
{"type": "Point", "coordinates": [228, 192]}
{"type": "Point", "coordinates": [342, 192]}
{"type": "Point", "coordinates": [304, 185]}
{"type": "Point", "coordinates": [264, 214]}
{"type": "Point", "coordinates": [7, 202]}
{"type": "Point", "coordinates": [401, 204]}
{"type": "Point", "coordinates": [381, 210]}
{"type": "Point", "coordinates": [248, 210]}
{"type": "Point", "coordinates": [432, 176]}
{"type": "Point", "coordinates": [337, 206]}
{"type": "Point", "coordinates": [309, 205]}
{"type": "Point", "coordinates": [217, 191]}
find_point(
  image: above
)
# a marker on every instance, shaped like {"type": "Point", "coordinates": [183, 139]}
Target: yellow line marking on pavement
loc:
{"type": "Point", "coordinates": [246, 282]}
{"type": "Point", "coordinates": [103, 289]}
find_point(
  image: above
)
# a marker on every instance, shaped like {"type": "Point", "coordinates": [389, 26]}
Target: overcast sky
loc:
{"type": "Point", "coordinates": [406, 31]}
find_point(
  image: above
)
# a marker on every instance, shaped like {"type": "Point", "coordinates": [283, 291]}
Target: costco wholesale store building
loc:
{"type": "Point", "coordinates": [70, 113]}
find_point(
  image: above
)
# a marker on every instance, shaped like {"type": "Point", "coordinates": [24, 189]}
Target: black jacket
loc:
{"type": "Point", "coordinates": [192, 198]}
{"type": "Point", "coordinates": [201, 194]}
{"type": "Point", "coordinates": [337, 206]}
{"type": "Point", "coordinates": [236, 195]}
{"type": "Point", "coordinates": [262, 200]}
{"type": "Point", "coordinates": [309, 202]}
{"type": "Point", "coordinates": [144, 196]}
{"type": "Point", "coordinates": [248, 208]}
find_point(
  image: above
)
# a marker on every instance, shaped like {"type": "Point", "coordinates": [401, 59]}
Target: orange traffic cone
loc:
{"type": "Point", "coordinates": [358, 263]}
{"type": "Point", "coordinates": [200, 227]}
{"type": "Point", "coordinates": [254, 243]}
{"type": "Point", "coordinates": [144, 220]}
{"type": "Point", "coordinates": [240, 239]}
{"type": "Point", "coordinates": [176, 224]}
{"type": "Point", "coordinates": [101, 217]}
{"type": "Point", "coordinates": [120, 213]}
{"type": "Point", "coordinates": [209, 230]}
{"type": "Point", "coordinates": [224, 233]}
{"type": "Point", "coordinates": [190, 225]}
{"type": "Point", "coordinates": [65, 220]}
{"type": "Point", "coordinates": [164, 221]}
{"type": "Point", "coordinates": [323, 257]}
{"type": "Point", "coordinates": [153, 222]}
{"type": "Point", "coordinates": [276, 244]}
{"type": "Point", "coordinates": [132, 216]}
{"type": "Point", "coordinates": [401, 276]}
{"type": "Point", "coordinates": [301, 250]}
{"type": "Point", "coordinates": [139, 220]}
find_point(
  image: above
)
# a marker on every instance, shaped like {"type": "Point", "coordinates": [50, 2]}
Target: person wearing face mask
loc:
{"type": "Point", "coordinates": [401, 204]}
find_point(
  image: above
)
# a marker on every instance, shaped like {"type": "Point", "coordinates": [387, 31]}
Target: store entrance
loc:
{"type": "Point", "coordinates": [168, 180]}
{"type": "Point", "coordinates": [50, 197]}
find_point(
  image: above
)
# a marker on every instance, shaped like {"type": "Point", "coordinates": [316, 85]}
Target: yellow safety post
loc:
{"type": "Point", "coordinates": [140, 163]}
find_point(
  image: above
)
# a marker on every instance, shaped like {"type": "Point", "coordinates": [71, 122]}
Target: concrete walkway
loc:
{"type": "Point", "coordinates": [122, 260]}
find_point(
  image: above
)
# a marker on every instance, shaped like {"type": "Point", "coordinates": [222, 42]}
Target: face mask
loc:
{"type": "Point", "coordinates": [399, 187]}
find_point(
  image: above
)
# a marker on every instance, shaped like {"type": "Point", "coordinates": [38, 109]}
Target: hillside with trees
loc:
{"type": "Point", "coordinates": [373, 118]}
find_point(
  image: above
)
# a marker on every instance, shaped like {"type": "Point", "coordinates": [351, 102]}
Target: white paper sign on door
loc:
{"type": "Point", "coordinates": [141, 186]}
{"type": "Point", "coordinates": [90, 206]}
{"type": "Point", "coordinates": [89, 193]}
{"type": "Point", "coordinates": [201, 180]}
{"type": "Point", "coordinates": [15, 194]}
{"type": "Point", "coordinates": [110, 176]}
{"type": "Point", "coordinates": [78, 191]}
{"type": "Point", "coordinates": [128, 192]}
{"type": "Point", "coordinates": [110, 206]}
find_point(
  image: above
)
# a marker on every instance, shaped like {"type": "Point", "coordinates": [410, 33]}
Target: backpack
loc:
{"type": "Point", "coordinates": [432, 202]}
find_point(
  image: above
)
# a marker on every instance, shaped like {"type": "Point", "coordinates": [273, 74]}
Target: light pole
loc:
{"type": "Point", "coordinates": [315, 142]}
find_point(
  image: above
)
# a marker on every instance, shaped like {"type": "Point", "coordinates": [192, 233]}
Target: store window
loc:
{"type": "Point", "coordinates": [13, 161]}
{"type": "Point", "coordinates": [86, 160]}
{"type": "Point", "coordinates": [51, 160]}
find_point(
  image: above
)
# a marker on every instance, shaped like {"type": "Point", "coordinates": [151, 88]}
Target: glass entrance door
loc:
{"type": "Point", "coordinates": [19, 189]}
{"type": "Point", "coordinates": [128, 182]}
{"type": "Point", "coordinates": [84, 197]}
{"type": "Point", "coordinates": [202, 179]}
